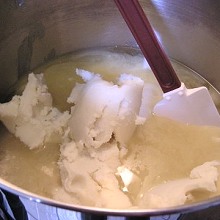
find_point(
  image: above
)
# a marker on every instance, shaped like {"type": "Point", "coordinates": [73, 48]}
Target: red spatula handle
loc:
{"type": "Point", "coordinates": [142, 31]}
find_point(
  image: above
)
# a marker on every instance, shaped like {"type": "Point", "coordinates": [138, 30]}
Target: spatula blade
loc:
{"type": "Point", "coordinates": [191, 106]}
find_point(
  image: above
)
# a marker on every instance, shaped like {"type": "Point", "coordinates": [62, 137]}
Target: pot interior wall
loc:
{"type": "Point", "coordinates": [34, 32]}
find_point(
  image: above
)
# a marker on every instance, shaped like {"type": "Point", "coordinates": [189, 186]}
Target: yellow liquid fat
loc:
{"type": "Point", "coordinates": [160, 150]}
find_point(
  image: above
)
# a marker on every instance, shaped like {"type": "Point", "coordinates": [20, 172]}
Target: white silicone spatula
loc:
{"type": "Point", "coordinates": [191, 106]}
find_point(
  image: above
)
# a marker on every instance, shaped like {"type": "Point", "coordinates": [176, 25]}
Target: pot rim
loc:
{"type": "Point", "coordinates": [214, 201]}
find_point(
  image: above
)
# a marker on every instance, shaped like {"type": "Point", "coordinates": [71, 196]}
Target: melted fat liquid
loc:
{"type": "Point", "coordinates": [165, 150]}
{"type": "Point", "coordinates": [160, 150]}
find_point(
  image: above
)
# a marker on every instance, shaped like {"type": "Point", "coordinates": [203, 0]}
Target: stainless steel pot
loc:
{"type": "Point", "coordinates": [32, 32]}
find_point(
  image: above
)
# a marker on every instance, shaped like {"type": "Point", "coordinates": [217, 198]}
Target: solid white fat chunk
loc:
{"type": "Point", "coordinates": [91, 180]}
{"type": "Point", "coordinates": [103, 109]}
{"type": "Point", "coordinates": [31, 116]}
{"type": "Point", "coordinates": [177, 192]}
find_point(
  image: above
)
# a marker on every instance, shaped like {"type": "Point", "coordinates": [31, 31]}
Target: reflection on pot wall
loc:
{"type": "Point", "coordinates": [190, 32]}
{"type": "Point", "coordinates": [37, 31]}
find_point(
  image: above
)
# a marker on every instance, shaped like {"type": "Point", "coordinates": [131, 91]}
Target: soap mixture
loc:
{"type": "Point", "coordinates": [84, 133]}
